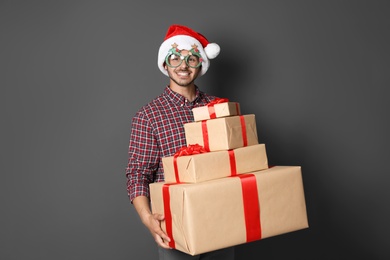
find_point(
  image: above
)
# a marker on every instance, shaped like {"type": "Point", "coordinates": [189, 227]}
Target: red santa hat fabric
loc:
{"type": "Point", "coordinates": [185, 38]}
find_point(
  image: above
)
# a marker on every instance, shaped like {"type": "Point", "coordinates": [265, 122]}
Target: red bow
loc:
{"type": "Point", "coordinates": [186, 150]}
{"type": "Point", "coordinates": [217, 101]}
{"type": "Point", "coordinates": [190, 150]}
{"type": "Point", "coordinates": [210, 106]}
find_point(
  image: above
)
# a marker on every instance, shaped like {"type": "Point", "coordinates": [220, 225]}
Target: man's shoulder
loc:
{"type": "Point", "coordinates": [156, 103]}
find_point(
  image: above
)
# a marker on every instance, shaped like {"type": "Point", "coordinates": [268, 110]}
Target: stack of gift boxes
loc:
{"type": "Point", "coordinates": [219, 190]}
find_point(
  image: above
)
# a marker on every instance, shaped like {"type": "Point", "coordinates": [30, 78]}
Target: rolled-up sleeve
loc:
{"type": "Point", "coordinates": [143, 159]}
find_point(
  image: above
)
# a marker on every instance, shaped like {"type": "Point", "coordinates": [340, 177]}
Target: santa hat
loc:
{"type": "Point", "coordinates": [184, 38]}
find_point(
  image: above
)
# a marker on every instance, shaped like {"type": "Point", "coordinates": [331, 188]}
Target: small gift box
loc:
{"type": "Point", "coordinates": [193, 164]}
{"type": "Point", "coordinates": [219, 107]}
{"type": "Point", "coordinates": [222, 133]}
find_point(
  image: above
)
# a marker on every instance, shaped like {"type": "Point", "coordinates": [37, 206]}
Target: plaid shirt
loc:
{"type": "Point", "coordinates": [157, 131]}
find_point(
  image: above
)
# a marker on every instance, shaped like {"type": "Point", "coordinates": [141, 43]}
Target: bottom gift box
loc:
{"type": "Point", "coordinates": [220, 213]}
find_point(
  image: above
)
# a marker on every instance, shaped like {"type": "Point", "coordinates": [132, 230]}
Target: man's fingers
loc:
{"type": "Point", "coordinates": [162, 242]}
{"type": "Point", "coordinates": [164, 237]}
{"type": "Point", "coordinates": [159, 235]}
{"type": "Point", "coordinates": [158, 216]}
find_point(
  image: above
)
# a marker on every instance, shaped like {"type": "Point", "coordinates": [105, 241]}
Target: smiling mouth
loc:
{"type": "Point", "coordinates": [183, 74]}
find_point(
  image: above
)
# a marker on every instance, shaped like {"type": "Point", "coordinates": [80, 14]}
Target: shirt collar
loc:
{"type": "Point", "coordinates": [179, 99]}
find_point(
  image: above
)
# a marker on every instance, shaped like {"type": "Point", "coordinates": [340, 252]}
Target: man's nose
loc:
{"type": "Point", "coordinates": [183, 64]}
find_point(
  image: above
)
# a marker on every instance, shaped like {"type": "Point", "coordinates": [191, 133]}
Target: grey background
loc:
{"type": "Point", "coordinates": [73, 73]}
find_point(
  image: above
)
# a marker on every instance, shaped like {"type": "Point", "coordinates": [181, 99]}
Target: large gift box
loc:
{"type": "Point", "coordinates": [220, 213]}
{"type": "Point", "coordinates": [215, 109]}
{"type": "Point", "coordinates": [192, 166]}
{"type": "Point", "coordinates": [222, 133]}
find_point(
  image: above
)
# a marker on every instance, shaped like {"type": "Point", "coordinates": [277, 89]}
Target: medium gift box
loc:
{"type": "Point", "coordinates": [220, 213]}
{"type": "Point", "coordinates": [219, 107]}
{"type": "Point", "coordinates": [222, 133]}
{"type": "Point", "coordinates": [193, 164]}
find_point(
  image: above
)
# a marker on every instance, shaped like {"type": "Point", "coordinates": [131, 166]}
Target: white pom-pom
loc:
{"type": "Point", "coordinates": [212, 50]}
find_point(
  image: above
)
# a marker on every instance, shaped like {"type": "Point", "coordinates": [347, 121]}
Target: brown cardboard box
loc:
{"type": "Point", "coordinates": [222, 133]}
{"type": "Point", "coordinates": [207, 216]}
{"type": "Point", "coordinates": [220, 110]}
{"type": "Point", "coordinates": [213, 165]}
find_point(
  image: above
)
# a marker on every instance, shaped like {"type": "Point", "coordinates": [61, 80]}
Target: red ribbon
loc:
{"type": "Point", "coordinates": [206, 134]}
{"type": "Point", "coordinates": [211, 106]}
{"type": "Point", "coordinates": [167, 214]}
{"type": "Point", "coordinates": [251, 204]}
{"type": "Point", "coordinates": [237, 109]}
{"type": "Point", "coordinates": [186, 150]}
{"type": "Point", "coordinates": [250, 199]}
{"type": "Point", "coordinates": [232, 159]}
{"type": "Point", "coordinates": [243, 129]}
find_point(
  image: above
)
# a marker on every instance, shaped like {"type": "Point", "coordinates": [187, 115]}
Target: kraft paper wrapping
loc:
{"type": "Point", "coordinates": [208, 216]}
{"type": "Point", "coordinates": [213, 165]}
{"type": "Point", "coordinates": [223, 133]}
{"type": "Point", "coordinates": [220, 110]}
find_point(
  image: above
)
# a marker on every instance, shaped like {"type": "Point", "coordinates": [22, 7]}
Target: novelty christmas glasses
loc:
{"type": "Point", "coordinates": [176, 57]}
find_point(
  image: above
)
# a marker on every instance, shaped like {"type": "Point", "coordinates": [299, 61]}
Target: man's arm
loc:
{"type": "Point", "coordinates": [143, 162]}
{"type": "Point", "coordinates": [151, 221]}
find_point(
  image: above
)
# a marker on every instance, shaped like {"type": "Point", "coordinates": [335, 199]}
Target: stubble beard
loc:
{"type": "Point", "coordinates": [183, 83]}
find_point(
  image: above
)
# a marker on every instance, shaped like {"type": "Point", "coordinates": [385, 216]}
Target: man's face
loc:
{"type": "Point", "coordinates": [183, 75]}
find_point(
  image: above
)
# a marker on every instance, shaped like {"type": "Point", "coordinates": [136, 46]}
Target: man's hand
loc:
{"type": "Point", "coordinates": [151, 221]}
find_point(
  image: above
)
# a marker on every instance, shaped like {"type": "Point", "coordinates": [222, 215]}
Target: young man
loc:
{"type": "Point", "coordinates": [157, 128]}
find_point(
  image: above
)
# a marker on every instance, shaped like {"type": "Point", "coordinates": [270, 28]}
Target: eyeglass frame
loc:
{"type": "Point", "coordinates": [192, 52]}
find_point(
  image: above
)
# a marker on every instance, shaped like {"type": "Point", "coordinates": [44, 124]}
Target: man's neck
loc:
{"type": "Point", "coordinates": [189, 92]}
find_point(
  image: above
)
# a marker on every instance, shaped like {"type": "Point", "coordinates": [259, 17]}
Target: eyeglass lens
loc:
{"type": "Point", "coordinates": [175, 60]}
